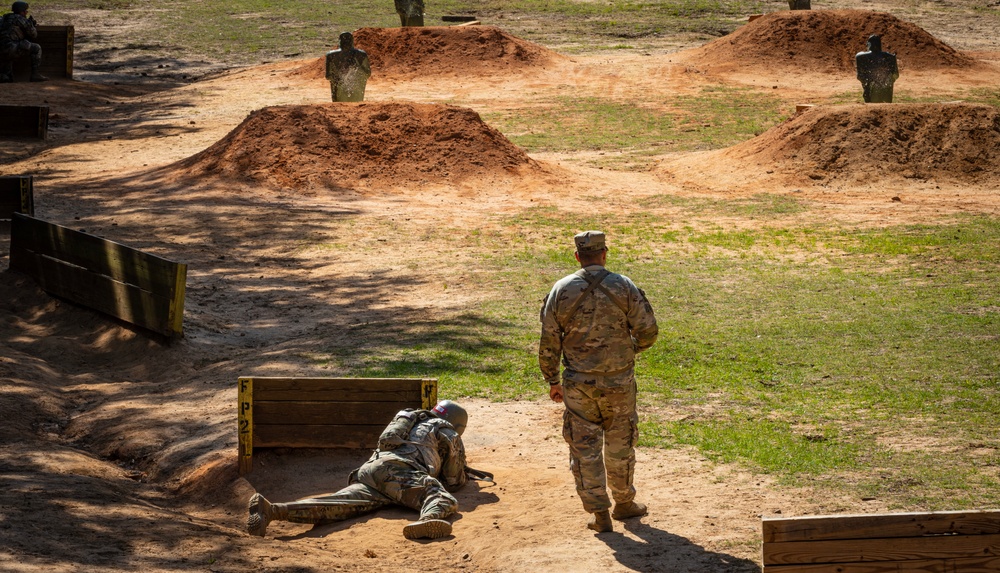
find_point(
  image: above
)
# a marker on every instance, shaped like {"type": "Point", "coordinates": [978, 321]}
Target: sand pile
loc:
{"type": "Point", "coordinates": [341, 145]}
{"type": "Point", "coordinates": [957, 142]}
{"type": "Point", "coordinates": [440, 50]}
{"type": "Point", "coordinates": [826, 41]}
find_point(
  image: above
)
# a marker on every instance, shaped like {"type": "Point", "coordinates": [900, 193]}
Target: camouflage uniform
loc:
{"type": "Point", "coordinates": [348, 71]}
{"type": "Point", "coordinates": [411, 12]}
{"type": "Point", "coordinates": [417, 474]}
{"type": "Point", "coordinates": [597, 334]}
{"type": "Point", "coordinates": [16, 31]}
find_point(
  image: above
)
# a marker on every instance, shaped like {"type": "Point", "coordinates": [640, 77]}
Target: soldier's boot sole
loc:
{"type": "Point", "coordinates": [629, 509]}
{"type": "Point", "coordinates": [260, 515]}
{"type": "Point", "coordinates": [427, 529]}
{"type": "Point", "coordinates": [601, 522]}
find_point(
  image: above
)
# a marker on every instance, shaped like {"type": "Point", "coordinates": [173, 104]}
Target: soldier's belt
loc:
{"type": "Point", "coordinates": [608, 373]}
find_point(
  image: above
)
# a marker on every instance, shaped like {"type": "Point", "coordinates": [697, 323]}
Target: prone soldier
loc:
{"type": "Point", "coordinates": [419, 461]}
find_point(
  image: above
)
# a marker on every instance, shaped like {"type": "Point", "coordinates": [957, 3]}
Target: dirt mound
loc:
{"type": "Point", "coordinates": [826, 41]}
{"type": "Point", "coordinates": [441, 50]}
{"type": "Point", "coordinates": [338, 145]}
{"type": "Point", "coordinates": [959, 142]}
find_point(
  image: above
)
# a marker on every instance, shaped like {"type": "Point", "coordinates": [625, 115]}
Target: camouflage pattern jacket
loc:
{"type": "Point", "coordinates": [435, 448]}
{"type": "Point", "coordinates": [14, 28]}
{"type": "Point", "coordinates": [598, 340]}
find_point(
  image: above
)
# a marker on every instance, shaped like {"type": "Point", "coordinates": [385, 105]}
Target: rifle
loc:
{"type": "Point", "coordinates": [478, 475]}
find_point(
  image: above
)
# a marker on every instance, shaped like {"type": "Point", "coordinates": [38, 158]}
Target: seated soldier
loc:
{"type": "Point", "coordinates": [348, 70]}
{"type": "Point", "coordinates": [877, 71]}
{"type": "Point", "coordinates": [17, 29]}
{"type": "Point", "coordinates": [419, 460]}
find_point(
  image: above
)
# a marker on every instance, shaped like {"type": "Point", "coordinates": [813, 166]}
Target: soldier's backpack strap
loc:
{"type": "Point", "coordinates": [593, 282]}
{"type": "Point", "coordinates": [617, 302]}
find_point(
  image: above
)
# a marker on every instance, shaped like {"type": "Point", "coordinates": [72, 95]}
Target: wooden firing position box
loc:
{"type": "Point", "coordinates": [934, 542]}
{"type": "Point", "coordinates": [17, 195]}
{"type": "Point", "coordinates": [57, 54]}
{"type": "Point", "coordinates": [322, 412]}
{"type": "Point", "coordinates": [131, 285]}
{"type": "Point", "coordinates": [28, 121]}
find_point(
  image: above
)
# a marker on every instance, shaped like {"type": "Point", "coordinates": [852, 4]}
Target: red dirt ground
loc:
{"type": "Point", "coordinates": [955, 142]}
{"type": "Point", "coordinates": [119, 452]}
{"type": "Point", "coordinates": [826, 41]}
{"type": "Point", "coordinates": [443, 51]}
{"type": "Point", "coordinates": [333, 146]}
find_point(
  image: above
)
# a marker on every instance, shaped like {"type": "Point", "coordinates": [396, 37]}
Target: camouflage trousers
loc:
{"type": "Point", "coordinates": [601, 426]}
{"type": "Point", "coordinates": [380, 482]}
{"type": "Point", "coordinates": [11, 51]}
{"type": "Point", "coordinates": [411, 12]}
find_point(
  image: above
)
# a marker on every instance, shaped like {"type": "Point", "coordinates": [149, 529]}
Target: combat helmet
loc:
{"type": "Point", "coordinates": [18, 7]}
{"type": "Point", "coordinates": [453, 414]}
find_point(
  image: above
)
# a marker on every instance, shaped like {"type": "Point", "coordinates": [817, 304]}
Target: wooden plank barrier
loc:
{"type": "Point", "coordinates": [30, 121]}
{"type": "Point", "coordinates": [322, 412]}
{"type": "Point", "coordinates": [17, 195]}
{"type": "Point", "coordinates": [934, 542]}
{"type": "Point", "coordinates": [57, 54]}
{"type": "Point", "coordinates": [137, 287]}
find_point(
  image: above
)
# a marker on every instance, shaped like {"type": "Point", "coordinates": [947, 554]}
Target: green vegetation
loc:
{"type": "Point", "coordinates": [717, 117]}
{"type": "Point", "coordinates": [858, 358]}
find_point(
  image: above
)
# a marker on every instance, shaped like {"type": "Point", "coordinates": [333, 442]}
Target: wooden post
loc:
{"type": "Point", "coordinates": [245, 424]}
{"type": "Point", "coordinates": [17, 195]}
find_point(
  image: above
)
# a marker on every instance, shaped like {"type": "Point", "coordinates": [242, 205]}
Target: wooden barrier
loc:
{"type": "Point", "coordinates": [57, 54]}
{"type": "Point", "coordinates": [24, 121]}
{"type": "Point", "coordinates": [936, 542]}
{"type": "Point", "coordinates": [137, 287]}
{"type": "Point", "coordinates": [322, 412]}
{"type": "Point", "coordinates": [17, 195]}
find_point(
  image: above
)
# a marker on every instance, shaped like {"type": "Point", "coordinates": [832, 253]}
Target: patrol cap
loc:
{"type": "Point", "coordinates": [590, 242]}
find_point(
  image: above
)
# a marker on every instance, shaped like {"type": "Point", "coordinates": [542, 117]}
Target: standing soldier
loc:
{"type": "Point", "coordinates": [348, 70]}
{"type": "Point", "coordinates": [597, 321]}
{"type": "Point", "coordinates": [17, 29]}
{"type": "Point", "coordinates": [419, 460]}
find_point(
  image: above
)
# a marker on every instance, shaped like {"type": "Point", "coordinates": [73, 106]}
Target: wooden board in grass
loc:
{"type": "Point", "coordinates": [947, 541]}
{"type": "Point", "coordinates": [137, 287]}
{"type": "Point", "coordinates": [322, 412]}
{"type": "Point", "coordinates": [24, 121]}
{"type": "Point", "coordinates": [17, 195]}
{"type": "Point", "coordinates": [57, 54]}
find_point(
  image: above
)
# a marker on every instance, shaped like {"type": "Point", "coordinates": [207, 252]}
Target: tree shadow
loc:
{"type": "Point", "coordinates": [657, 550]}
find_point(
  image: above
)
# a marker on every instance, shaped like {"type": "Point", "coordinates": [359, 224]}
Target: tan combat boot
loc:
{"type": "Point", "coordinates": [260, 515]}
{"type": "Point", "coordinates": [601, 522]}
{"type": "Point", "coordinates": [427, 529]}
{"type": "Point", "coordinates": [629, 509]}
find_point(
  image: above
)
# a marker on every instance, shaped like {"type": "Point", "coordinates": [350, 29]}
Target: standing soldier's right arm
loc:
{"type": "Point", "coordinates": [550, 345]}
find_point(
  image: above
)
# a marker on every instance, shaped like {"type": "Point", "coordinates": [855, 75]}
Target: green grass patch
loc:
{"type": "Point", "coordinates": [718, 117]}
{"type": "Point", "coordinates": [861, 359]}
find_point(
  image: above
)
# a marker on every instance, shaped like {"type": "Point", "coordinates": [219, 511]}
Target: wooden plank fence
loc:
{"type": "Point", "coordinates": [57, 54]}
{"type": "Point", "coordinates": [137, 287]}
{"type": "Point", "coordinates": [322, 412]}
{"type": "Point", "coordinates": [934, 542]}
{"type": "Point", "coordinates": [27, 121]}
{"type": "Point", "coordinates": [17, 195]}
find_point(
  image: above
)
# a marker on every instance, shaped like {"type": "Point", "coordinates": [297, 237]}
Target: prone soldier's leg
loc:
{"type": "Point", "coordinates": [583, 432]}
{"type": "Point", "coordinates": [415, 489]}
{"type": "Point", "coordinates": [354, 500]}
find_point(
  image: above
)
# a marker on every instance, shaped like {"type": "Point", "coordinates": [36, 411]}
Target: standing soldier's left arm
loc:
{"type": "Point", "coordinates": [452, 452]}
{"type": "Point", "coordinates": [641, 320]}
